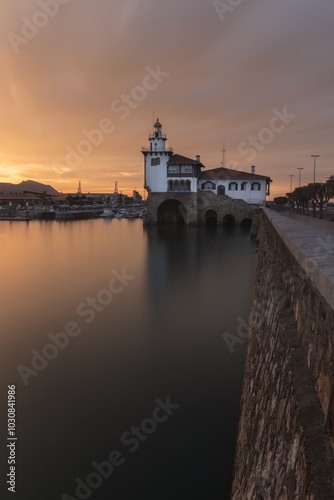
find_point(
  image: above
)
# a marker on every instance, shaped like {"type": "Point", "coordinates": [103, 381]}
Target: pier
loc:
{"type": "Point", "coordinates": [286, 426]}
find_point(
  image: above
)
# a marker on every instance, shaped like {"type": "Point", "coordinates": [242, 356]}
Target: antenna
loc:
{"type": "Point", "coordinates": [223, 158]}
{"type": "Point", "coordinates": [79, 188]}
{"type": "Point", "coordinates": [153, 118]}
{"type": "Point", "coordinates": [116, 187]}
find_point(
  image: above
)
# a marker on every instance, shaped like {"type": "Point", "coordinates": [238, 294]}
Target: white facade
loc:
{"type": "Point", "coordinates": [156, 158]}
{"type": "Point", "coordinates": [248, 190]}
{"type": "Point", "coordinates": [168, 173]}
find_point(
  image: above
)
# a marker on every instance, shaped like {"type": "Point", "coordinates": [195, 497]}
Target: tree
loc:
{"type": "Point", "coordinates": [128, 200]}
{"type": "Point", "coordinates": [303, 196]}
{"type": "Point", "coordinates": [321, 193]}
{"type": "Point", "coordinates": [281, 201]}
{"type": "Point", "coordinates": [306, 196]}
{"type": "Point", "coordinates": [70, 200]}
{"type": "Point", "coordinates": [330, 187]}
{"type": "Point", "coordinates": [294, 197]}
{"type": "Point", "coordinates": [324, 193]}
{"type": "Point", "coordinates": [297, 194]}
{"type": "Point", "coordinates": [312, 193]}
{"type": "Point", "coordinates": [45, 198]}
{"type": "Point", "coordinates": [291, 199]}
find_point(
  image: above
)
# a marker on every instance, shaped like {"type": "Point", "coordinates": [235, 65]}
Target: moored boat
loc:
{"type": "Point", "coordinates": [107, 214]}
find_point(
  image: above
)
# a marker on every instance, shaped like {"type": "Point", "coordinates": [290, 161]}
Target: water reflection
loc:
{"type": "Point", "coordinates": [162, 336]}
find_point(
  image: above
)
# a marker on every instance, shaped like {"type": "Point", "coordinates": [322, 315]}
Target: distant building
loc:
{"type": "Point", "coordinates": [19, 199]}
{"type": "Point", "coordinates": [189, 188]}
{"type": "Point", "coordinates": [136, 197]}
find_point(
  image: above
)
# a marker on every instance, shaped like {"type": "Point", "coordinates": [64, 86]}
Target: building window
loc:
{"type": "Point", "coordinates": [155, 161]}
{"type": "Point", "coordinates": [233, 186]}
{"type": "Point", "coordinates": [186, 169]}
{"type": "Point", "coordinates": [178, 186]}
{"type": "Point", "coordinates": [256, 186]}
{"type": "Point", "coordinates": [173, 169]}
{"type": "Point", "coordinates": [208, 185]}
{"type": "Point", "coordinates": [243, 186]}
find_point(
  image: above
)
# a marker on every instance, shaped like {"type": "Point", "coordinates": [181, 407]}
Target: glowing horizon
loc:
{"type": "Point", "coordinates": [97, 74]}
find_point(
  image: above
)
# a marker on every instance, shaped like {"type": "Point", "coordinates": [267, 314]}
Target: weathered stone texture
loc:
{"type": "Point", "coordinates": [284, 448]}
{"type": "Point", "coordinates": [196, 206]}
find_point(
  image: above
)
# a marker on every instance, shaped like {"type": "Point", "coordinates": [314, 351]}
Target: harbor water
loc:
{"type": "Point", "coordinates": [115, 337]}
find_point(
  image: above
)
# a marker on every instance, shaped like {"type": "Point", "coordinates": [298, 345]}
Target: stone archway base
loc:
{"type": "Point", "coordinates": [196, 205]}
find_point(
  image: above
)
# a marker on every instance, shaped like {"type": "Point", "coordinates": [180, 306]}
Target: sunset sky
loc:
{"type": "Point", "coordinates": [222, 71]}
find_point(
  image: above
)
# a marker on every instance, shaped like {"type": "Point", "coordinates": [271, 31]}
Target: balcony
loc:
{"type": "Point", "coordinates": [160, 136]}
{"type": "Point", "coordinates": [149, 150]}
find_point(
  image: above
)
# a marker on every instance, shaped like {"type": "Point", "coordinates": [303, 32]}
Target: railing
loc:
{"type": "Point", "coordinates": [160, 136]}
{"type": "Point", "coordinates": [149, 150]}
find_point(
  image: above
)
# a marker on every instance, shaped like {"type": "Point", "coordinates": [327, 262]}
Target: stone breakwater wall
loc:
{"type": "Point", "coordinates": [285, 445]}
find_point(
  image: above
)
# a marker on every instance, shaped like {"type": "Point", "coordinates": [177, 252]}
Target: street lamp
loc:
{"type": "Point", "coordinates": [315, 159]}
{"type": "Point", "coordinates": [291, 175]}
{"type": "Point", "coordinates": [300, 174]}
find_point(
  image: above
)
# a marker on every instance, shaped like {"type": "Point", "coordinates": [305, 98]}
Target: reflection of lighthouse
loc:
{"type": "Point", "coordinates": [156, 158]}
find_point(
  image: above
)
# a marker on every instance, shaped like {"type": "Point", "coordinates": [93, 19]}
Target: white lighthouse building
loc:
{"type": "Point", "coordinates": [168, 172]}
{"type": "Point", "coordinates": [156, 159]}
{"type": "Point", "coordinates": [180, 188]}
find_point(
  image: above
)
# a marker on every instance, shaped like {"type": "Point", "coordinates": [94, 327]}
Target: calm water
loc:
{"type": "Point", "coordinates": [158, 337]}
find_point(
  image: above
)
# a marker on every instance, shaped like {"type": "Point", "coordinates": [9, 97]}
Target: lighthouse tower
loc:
{"type": "Point", "coordinates": [156, 157]}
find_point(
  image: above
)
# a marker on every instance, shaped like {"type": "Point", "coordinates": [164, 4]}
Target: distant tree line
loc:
{"type": "Point", "coordinates": [314, 195]}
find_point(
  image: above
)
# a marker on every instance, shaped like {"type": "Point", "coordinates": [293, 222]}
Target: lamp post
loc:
{"type": "Point", "coordinates": [300, 174]}
{"type": "Point", "coordinates": [315, 160]}
{"type": "Point", "coordinates": [291, 175]}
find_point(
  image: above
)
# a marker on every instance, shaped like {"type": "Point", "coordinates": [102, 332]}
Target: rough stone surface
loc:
{"type": "Point", "coordinates": [196, 205]}
{"type": "Point", "coordinates": [312, 249]}
{"type": "Point", "coordinates": [285, 439]}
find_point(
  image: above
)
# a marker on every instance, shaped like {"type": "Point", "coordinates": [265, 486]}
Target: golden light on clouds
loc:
{"type": "Point", "coordinates": [223, 79]}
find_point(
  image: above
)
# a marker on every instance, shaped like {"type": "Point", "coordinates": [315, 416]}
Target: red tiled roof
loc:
{"type": "Point", "coordinates": [183, 160]}
{"type": "Point", "coordinates": [227, 173]}
{"type": "Point", "coordinates": [215, 173]}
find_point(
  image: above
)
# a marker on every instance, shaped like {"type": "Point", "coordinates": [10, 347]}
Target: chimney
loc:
{"type": "Point", "coordinates": [198, 158]}
{"type": "Point", "coordinates": [253, 169]}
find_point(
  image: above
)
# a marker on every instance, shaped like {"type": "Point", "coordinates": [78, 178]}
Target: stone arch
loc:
{"type": "Point", "coordinates": [170, 186]}
{"type": "Point", "coordinates": [211, 218]}
{"type": "Point", "coordinates": [171, 212]}
{"type": "Point", "coordinates": [188, 185]}
{"type": "Point", "coordinates": [246, 224]}
{"type": "Point", "coordinates": [229, 221]}
{"type": "Point", "coordinates": [176, 186]}
{"type": "Point", "coordinates": [182, 186]}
